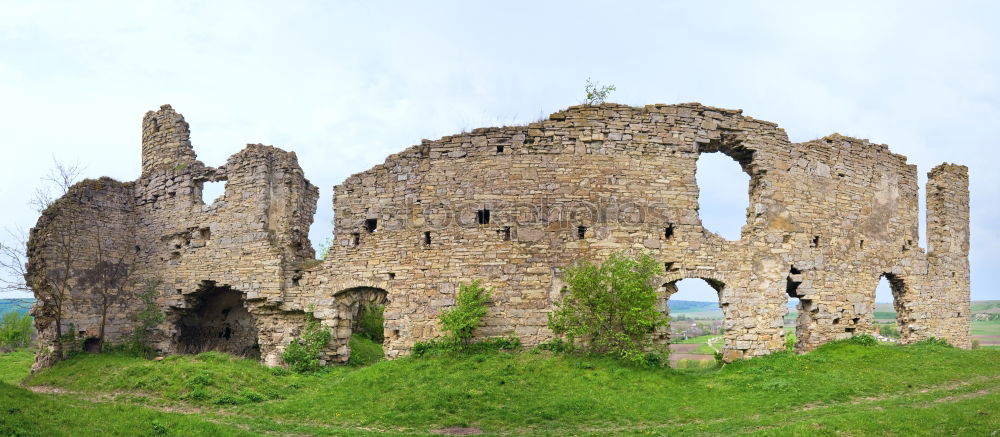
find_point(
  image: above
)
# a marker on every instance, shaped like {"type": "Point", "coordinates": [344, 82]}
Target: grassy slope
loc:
{"type": "Point", "coordinates": [14, 366]}
{"type": "Point", "coordinates": [840, 387]}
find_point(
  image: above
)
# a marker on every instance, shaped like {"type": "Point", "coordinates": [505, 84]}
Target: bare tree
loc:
{"type": "Point", "coordinates": [55, 184]}
{"type": "Point", "coordinates": [109, 278]}
{"type": "Point", "coordinates": [13, 261]}
{"type": "Point", "coordinates": [55, 275]}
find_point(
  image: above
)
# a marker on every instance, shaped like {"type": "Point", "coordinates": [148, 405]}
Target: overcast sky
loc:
{"type": "Point", "coordinates": [346, 84]}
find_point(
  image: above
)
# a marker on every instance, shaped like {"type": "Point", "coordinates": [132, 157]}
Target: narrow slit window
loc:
{"type": "Point", "coordinates": [815, 241]}
{"type": "Point", "coordinates": [371, 225]}
{"type": "Point", "coordinates": [483, 216]}
{"type": "Point", "coordinates": [506, 234]}
{"type": "Point", "coordinates": [581, 232]}
{"type": "Point", "coordinates": [355, 239]}
{"type": "Point", "coordinates": [668, 232]}
{"type": "Point", "coordinates": [427, 238]}
{"type": "Point", "coordinates": [861, 245]}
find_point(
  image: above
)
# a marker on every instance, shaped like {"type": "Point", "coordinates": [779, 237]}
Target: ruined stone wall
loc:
{"type": "Point", "coordinates": [251, 239]}
{"type": "Point", "coordinates": [81, 253]}
{"type": "Point", "coordinates": [511, 206]}
{"type": "Point", "coordinates": [826, 219]}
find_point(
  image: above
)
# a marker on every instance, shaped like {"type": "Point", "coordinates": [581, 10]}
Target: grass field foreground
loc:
{"type": "Point", "coordinates": [842, 387]}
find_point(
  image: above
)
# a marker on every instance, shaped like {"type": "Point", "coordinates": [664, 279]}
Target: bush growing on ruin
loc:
{"type": "Point", "coordinates": [596, 93]}
{"type": "Point", "coordinates": [611, 308]}
{"type": "Point", "coordinates": [148, 318]}
{"type": "Point", "coordinates": [462, 320]}
{"type": "Point", "coordinates": [790, 341]}
{"type": "Point", "coordinates": [15, 331]}
{"type": "Point", "coordinates": [302, 354]}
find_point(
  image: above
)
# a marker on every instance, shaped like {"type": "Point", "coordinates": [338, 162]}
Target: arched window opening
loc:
{"type": "Point", "coordinates": [696, 322]}
{"type": "Point", "coordinates": [889, 315]}
{"type": "Point", "coordinates": [723, 194]}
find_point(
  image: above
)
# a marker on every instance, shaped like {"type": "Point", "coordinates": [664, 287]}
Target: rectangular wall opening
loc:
{"type": "Point", "coordinates": [371, 225]}
{"type": "Point", "coordinates": [668, 232]}
{"type": "Point", "coordinates": [581, 232]}
{"type": "Point", "coordinates": [427, 238]}
{"type": "Point", "coordinates": [483, 216]}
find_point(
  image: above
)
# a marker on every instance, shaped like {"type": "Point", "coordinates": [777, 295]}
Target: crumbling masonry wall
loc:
{"type": "Point", "coordinates": [510, 206]}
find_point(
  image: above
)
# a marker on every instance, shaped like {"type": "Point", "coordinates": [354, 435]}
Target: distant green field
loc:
{"type": "Point", "coordinates": [983, 305]}
{"type": "Point", "coordinates": [991, 327]}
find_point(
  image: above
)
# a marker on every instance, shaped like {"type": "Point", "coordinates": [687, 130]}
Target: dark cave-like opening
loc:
{"type": "Point", "coordinates": [218, 321]}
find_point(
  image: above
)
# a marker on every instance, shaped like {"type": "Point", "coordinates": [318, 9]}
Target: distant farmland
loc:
{"type": "Point", "coordinates": [19, 305]}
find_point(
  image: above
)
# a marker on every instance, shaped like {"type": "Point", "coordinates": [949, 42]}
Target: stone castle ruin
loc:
{"type": "Point", "coordinates": [509, 206]}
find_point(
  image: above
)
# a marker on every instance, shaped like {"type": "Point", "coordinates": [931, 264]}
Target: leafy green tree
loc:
{"type": "Point", "coordinates": [611, 308]}
{"type": "Point", "coordinates": [15, 331]}
{"type": "Point", "coordinates": [462, 320]}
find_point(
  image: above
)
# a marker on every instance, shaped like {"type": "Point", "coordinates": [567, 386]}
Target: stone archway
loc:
{"type": "Point", "coordinates": [349, 304]}
{"type": "Point", "coordinates": [900, 298]}
{"type": "Point", "coordinates": [679, 324]}
{"type": "Point", "coordinates": [217, 320]}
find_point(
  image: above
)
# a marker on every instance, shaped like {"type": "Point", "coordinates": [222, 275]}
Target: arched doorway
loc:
{"type": "Point", "coordinates": [696, 330]}
{"type": "Point", "coordinates": [217, 320]}
{"type": "Point", "coordinates": [361, 324]}
{"type": "Point", "coordinates": [891, 323]}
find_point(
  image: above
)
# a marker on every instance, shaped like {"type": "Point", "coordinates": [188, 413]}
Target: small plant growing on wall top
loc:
{"type": "Point", "coordinates": [596, 93]}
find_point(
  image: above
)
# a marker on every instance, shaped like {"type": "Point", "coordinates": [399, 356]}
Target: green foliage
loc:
{"type": "Point", "coordinates": [975, 343]}
{"type": "Point", "coordinates": [611, 308]}
{"type": "Point", "coordinates": [934, 341]}
{"type": "Point", "coordinates": [303, 353]}
{"type": "Point", "coordinates": [323, 248]}
{"type": "Point", "coordinates": [364, 351]}
{"type": "Point", "coordinates": [446, 347]}
{"type": "Point", "coordinates": [462, 320]}
{"type": "Point", "coordinates": [790, 341]}
{"type": "Point", "coordinates": [863, 340]}
{"type": "Point", "coordinates": [148, 317]}
{"type": "Point", "coordinates": [15, 331]}
{"type": "Point", "coordinates": [596, 94]}
{"type": "Point", "coordinates": [371, 322]}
